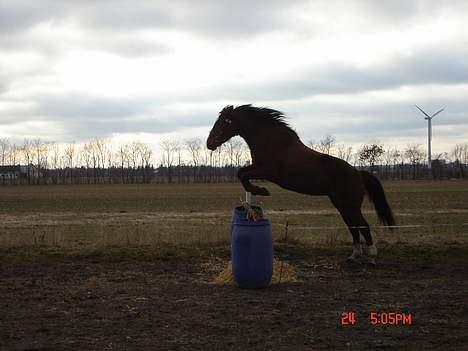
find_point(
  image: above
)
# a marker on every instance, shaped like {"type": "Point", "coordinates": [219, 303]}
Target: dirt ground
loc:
{"type": "Point", "coordinates": [165, 298]}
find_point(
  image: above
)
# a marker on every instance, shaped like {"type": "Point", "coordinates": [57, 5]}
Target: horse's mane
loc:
{"type": "Point", "coordinates": [268, 117]}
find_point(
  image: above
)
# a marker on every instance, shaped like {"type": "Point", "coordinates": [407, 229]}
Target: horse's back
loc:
{"type": "Point", "coordinates": [307, 171]}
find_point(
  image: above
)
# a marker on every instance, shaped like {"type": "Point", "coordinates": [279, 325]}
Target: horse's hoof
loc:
{"type": "Point", "coordinates": [371, 262]}
{"type": "Point", "coordinates": [353, 260]}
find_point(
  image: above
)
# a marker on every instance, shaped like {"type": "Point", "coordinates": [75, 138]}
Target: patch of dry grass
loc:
{"type": "Point", "coordinates": [283, 272]}
{"type": "Point", "coordinates": [150, 215]}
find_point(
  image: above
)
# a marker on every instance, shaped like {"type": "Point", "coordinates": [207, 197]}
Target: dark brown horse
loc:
{"type": "Point", "coordinates": [278, 155]}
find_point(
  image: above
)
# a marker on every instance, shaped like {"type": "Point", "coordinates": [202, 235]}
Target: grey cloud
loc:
{"type": "Point", "coordinates": [367, 120]}
{"type": "Point", "coordinates": [129, 47]}
{"type": "Point", "coordinates": [206, 17]}
{"type": "Point", "coordinates": [448, 66]}
{"type": "Point", "coordinates": [118, 43]}
{"type": "Point", "coordinates": [3, 86]}
{"type": "Point", "coordinates": [213, 17]}
{"type": "Point", "coordinates": [397, 13]}
{"type": "Point", "coordinates": [402, 8]}
{"type": "Point", "coordinates": [19, 18]}
{"type": "Point", "coordinates": [244, 17]}
{"type": "Point", "coordinates": [80, 106]}
{"type": "Point", "coordinates": [20, 15]}
{"type": "Point", "coordinates": [115, 25]}
{"type": "Point", "coordinates": [76, 107]}
{"type": "Point", "coordinates": [86, 128]}
{"type": "Point", "coordinates": [83, 117]}
{"type": "Point", "coordinates": [10, 73]}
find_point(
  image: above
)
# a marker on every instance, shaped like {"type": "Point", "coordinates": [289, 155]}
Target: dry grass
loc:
{"type": "Point", "coordinates": [149, 215]}
{"type": "Point", "coordinates": [283, 272]}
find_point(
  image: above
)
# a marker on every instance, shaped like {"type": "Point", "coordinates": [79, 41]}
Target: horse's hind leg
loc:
{"type": "Point", "coordinates": [357, 225]}
{"type": "Point", "coordinates": [351, 216]}
{"type": "Point", "coordinates": [371, 249]}
{"type": "Point", "coordinates": [357, 250]}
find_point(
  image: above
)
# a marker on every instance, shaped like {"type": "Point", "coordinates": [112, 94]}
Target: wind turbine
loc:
{"type": "Point", "coordinates": [429, 132]}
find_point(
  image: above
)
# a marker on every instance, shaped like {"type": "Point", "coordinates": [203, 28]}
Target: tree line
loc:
{"type": "Point", "coordinates": [100, 161]}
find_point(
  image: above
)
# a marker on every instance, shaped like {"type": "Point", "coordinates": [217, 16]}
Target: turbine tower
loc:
{"type": "Point", "coordinates": [429, 133]}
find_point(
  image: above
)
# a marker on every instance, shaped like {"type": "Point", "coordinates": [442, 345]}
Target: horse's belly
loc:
{"type": "Point", "coordinates": [303, 184]}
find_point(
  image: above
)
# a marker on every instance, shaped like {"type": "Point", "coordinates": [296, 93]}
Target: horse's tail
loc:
{"type": "Point", "coordinates": [377, 196]}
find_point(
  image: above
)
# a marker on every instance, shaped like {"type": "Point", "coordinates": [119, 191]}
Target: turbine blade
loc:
{"type": "Point", "coordinates": [435, 114]}
{"type": "Point", "coordinates": [420, 109]}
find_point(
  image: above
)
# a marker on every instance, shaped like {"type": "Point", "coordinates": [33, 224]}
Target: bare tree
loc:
{"type": "Point", "coordinates": [206, 156]}
{"type": "Point", "coordinates": [111, 157]}
{"type": "Point", "coordinates": [26, 150]}
{"type": "Point", "coordinates": [41, 155]}
{"type": "Point", "coordinates": [415, 155]}
{"type": "Point", "coordinates": [460, 156]}
{"type": "Point", "coordinates": [86, 156]}
{"type": "Point", "coordinates": [100, 145]}
{"type": "Point", "coordinates": [14, 155]}
{"type": "Point", "coordinates": [242, 154]}
{"type": "Point", "coordinates": [4, 148]}
{"type": "Point", "coordinates": [37, 145]}
{"type": "Point", "coordinates": [327, 144]}
{"type": "Point", "coordinates": [313, 144]}
{"type": "Point", "coordinates": [133, 157]}
{"type": "Point", "coordinates": [344, 152]}
{"type": "Point", "coordinates": [55, 157]}
{"type": "Point", "coordinates": [390, 157]}
{"type": "Point", "coordinates": [145, 154]}
{"type": "Point", "coordinates": [123, 159]}
{"type": "Point", "coordinates": [167, 159]}
{"type": "Point", "coordinates": [69, 155]}
{"type": "Point", "coordinates": [460, 152]}
{"type": "Point", "coordinates": [233, 150]}
{"type": "Point", "coordinates": [194, 147]}
{"type": "Point", "coordinates": [177, 149]}
{"type": "Point", "coordinates": [220, 159]}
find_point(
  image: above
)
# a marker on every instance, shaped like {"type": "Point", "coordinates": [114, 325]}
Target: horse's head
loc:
{"type": "Point", "coordinates": [224, 128]}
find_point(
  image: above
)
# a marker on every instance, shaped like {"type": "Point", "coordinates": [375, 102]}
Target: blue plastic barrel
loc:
{"type": "Point", "coordinates": [251, 250]}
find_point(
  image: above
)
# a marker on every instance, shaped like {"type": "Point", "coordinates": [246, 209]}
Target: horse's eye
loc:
{"type": "Point", "coordinates": [227, 120]}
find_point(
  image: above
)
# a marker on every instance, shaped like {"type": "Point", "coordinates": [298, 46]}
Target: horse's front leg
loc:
{"type": "Point", "coordinates": [252, 172]}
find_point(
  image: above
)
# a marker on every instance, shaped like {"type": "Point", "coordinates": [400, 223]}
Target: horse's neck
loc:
{"type": "Point", "coordinates": [259, 144]}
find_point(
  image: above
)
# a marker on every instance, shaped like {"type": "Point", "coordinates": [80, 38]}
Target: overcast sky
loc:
{"type": "Point", "coordinates": [148, 70]}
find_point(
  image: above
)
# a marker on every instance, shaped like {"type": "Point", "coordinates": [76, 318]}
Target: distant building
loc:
{"type": "Point", "coordinates": [10, 172]}
{"type": "Point", "coordinates": [16, 172]}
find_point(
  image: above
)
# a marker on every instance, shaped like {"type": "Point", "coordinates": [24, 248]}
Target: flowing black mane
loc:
{"type": "Point", "coordinates": [266, 116]}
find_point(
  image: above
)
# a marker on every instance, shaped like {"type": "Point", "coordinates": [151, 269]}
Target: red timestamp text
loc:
{"type": "Point", "coordinates": [378, 318]}
{"type": "Point", "coordinates": [390, 318]}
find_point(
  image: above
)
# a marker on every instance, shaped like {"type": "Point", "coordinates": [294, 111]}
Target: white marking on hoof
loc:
{"type": "Point", "coordinates": [371, 250]}
{"type": "Point", "coordinates": [357, 253]}
{"type": "Point", "coordinates": [371, 261]}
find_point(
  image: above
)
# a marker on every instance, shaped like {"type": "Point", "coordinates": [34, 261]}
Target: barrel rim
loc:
{"type": "Point", "coordinates": [242, 209]}
{"type": "Point", "coordinates": [239, 218]}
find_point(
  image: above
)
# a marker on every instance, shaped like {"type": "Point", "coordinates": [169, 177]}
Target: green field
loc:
{"type": "Point", "coordinates": [113, 215]}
